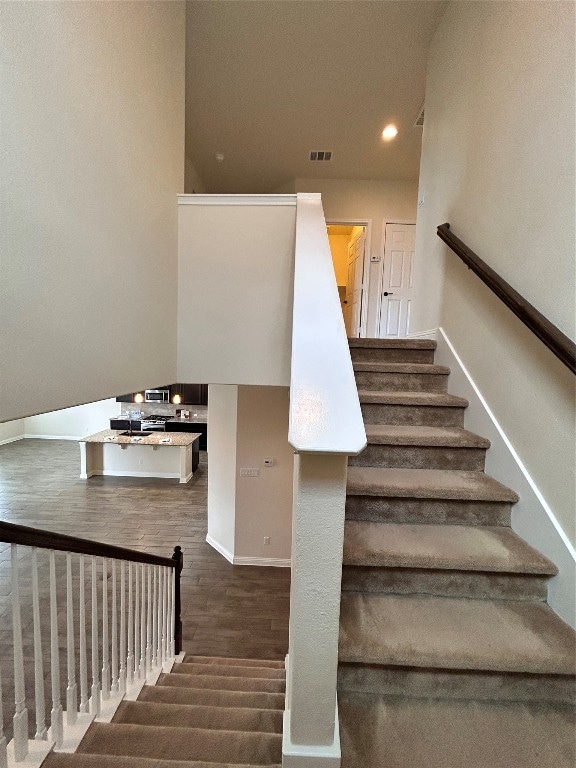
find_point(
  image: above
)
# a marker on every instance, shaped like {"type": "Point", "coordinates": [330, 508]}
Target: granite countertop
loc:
{"type": "Point", "coordinates": [153, 438]}
{"type": "Point", "coordinates": [191, 420]}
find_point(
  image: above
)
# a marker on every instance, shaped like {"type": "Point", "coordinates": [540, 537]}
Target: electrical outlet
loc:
{"type": "Point", "coordinates": [249, 472]}
{"type": "Point", "coordinates": [268, 462]}
{"type": "Point", "coordinates": [266, 539]}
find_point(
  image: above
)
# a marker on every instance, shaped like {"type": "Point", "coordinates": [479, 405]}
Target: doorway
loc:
{"type": "Point", "coordinates": [349, 246]}
{"type": "Point", "coordinates": [396, 294]}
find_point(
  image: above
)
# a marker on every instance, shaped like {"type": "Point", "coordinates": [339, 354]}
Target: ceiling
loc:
{"type": "Point", "coordinates": [268, 81]}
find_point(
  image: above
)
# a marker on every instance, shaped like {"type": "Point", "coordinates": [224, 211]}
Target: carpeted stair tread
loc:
{"type": "Point", "coordinates": [374, 366]}
{"type": "Point", "coordinates": [228, 670]}
{"type": "Point", "coordinates": [400, 434]}
{"type": "Point", "coordinates": [198, 716]}
{"type": "Point", "coordinates": [455, 547]}
{"type": "Point", "coordinates": [66, 760]}
{"type": "Point", "coordinates": [399, 732]}
{"type": "Point", "coordinates": [171, 694]}
{"type": "Point", "coordinates": [393, 343]}
{"type": "Point", "coordinates": [222, 660]}
{"type": "Point", "coordinates": [455, 633]}
{"type": "Point", "coordinates": [440, 399]}
{"type": "Point", "coordinates": [220, 682]}
{"type": "Point", "coordinates": [168, 743]}
{"type": "Point", "coordinates": [427, 484]}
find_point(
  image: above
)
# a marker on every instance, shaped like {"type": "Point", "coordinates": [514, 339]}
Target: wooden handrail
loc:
{"type": "Point", "coordinates": [556, 341]}
{"type": "Point", "coordinates": [10, 533]}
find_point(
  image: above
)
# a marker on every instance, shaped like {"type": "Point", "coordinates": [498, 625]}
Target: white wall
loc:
{"type": "Point", "coordinates": [498, 163]}
{"type": "Point", "coordinates": [92, 104]}
{"type": "Point", "coordinates": [222, 416]}
{"type": "Point", "coordinates": [380, 201]}
{"type": "Point", "coordinates": [79, 421]}
{"type": "Point", "coordinates": [12, 430]}
{"type": "Point", "coordinates": [235, 289]}
{"type": "Point", "coordinates": [263, 503]}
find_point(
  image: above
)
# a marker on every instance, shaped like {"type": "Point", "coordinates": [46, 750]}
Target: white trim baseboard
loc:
{"type": "Point", "coordinates": [219, 548]}
{"type": "Point", "coordinates": [532, 517]}
{"type": "Point", "coordinates": [12, 439]}
{"type": "Point", "coordinates": [310, 755]}
{"type": "Point", "coordinates": [52, 437]}
{"type": "Point", "coordinates": [124, 473]}
{"type": "Point", "coordinates": [274, 562]}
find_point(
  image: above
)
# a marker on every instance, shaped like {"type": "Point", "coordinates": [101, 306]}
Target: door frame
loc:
{"type": "Point", "coordinates": [385, 222]}
{"type": "Point", "coordinates": [367, 224]}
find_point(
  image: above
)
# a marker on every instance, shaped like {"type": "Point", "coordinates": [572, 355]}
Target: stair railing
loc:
{"type": "Point", "coordinates": [556, 341]}
{"type": "Point", "coordinates": [325, 427]}
{"type": "Point", "coordinates": [135, 629]}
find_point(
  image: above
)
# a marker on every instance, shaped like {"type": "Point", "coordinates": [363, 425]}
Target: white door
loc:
{"type": "Point", "coordinates": [397, 280]}
{"type": "Point", "coordinates": [354, 286]}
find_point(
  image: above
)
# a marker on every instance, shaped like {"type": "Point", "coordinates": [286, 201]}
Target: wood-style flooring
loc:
{"type": "Point", "coordinates": [226, 610]}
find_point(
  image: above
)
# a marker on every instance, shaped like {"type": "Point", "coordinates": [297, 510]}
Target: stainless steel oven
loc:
{"type": "Point", "coordinates": [157, 396]}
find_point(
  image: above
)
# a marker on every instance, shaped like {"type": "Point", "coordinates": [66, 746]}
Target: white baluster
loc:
{"type": "Point", "coordinates": [155, 612]}
{"type": "Point", "coordinates": [56, 717]}
{"type": "Point", "coordinates": [20, 720]}
{"type": "Point", "coordinates": [168, 613]}
{"type": "Point", "coordinates": [130, 656]}
{"type": "Point", "coordinates": [3, 753]}
{"type": "Point", "coordinates": [142, 665]}
{"type": "Point", "coordinates": [95, 697]}
{"type": "Point", "coordinates": [149, 620]}
{"type": "Point", "coordinates": [137, 621]}
{"type": "Point", "coordinates": [114, 636]}
{"type": "Point", "coordinates": [41, 730]}
{"type": "Point", "coordinates": [71, 690]}
{"type": "Point", "coordinates": [122, 672]}
{"type": "Point", "coordinates": [105, 637]}
{"type": "Point", "coordinates": [82, 641]}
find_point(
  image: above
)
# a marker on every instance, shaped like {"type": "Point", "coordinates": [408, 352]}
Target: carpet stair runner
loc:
{"type": "Point", "coordinates": [447, 645]}
{"type": "Point", "coordinates": [207, 712]}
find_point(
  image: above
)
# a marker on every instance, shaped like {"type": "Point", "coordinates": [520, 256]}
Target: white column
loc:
{"type": "Point", "coordinates": [311, 737]}
{"type": "Point", "coordinates": [95, 692]}
{"type": "Point", "coordinates": [105, 636]}
{"type": "Point", "coordinates": [130, 655]}
{"type": "Point", "coordinates": [155, 617]}
{"type": "Point", "coordinates": [20, 720]}
{"type": "Point", "coordinates": [41, 730]}
{"type": "Point", "coordinates": [123, 659]}
{"type": "Point", "coordinates": [137, 619]}
{"type": "Point", "coordinates": [148, 571]}
{"type": "Point", "coordinates": [142, 662]}
{"type": "Point", "coordinates": [114, 635]}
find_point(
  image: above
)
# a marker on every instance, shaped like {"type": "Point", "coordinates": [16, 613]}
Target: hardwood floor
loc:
{"type": "Point", "coordinates": [227, 610]}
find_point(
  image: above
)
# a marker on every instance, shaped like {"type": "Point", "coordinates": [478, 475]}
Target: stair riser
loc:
{"type": "Point", "coordinates": [469, 584]}
{"type": "Point", "coordinates": [374, 355]}
{"type": "Point", "coordinates": [419, 457]}
{"type": "Point", "coordinates": [429, 511]}
{"type": "Point", "coordinates": [442, 684]}
{"type": "Point", "coordinates": [201, 682]}
{"type": "Point", "coordinates": [224, 699]}
{"type": "Point", "coordinates": [401, 382]}
{"type": "Point", "coordinates": [425, 415]}
{"type": "Point", "coordinates": [179, 717]}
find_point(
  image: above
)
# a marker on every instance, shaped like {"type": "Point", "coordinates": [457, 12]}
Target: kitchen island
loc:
{"type": "Point", "coordinates": [157, 454]}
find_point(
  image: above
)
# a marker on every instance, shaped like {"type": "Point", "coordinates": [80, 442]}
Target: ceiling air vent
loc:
{"type": "Point", "coordinates": [420, 119]}
{"type": "Point", "coordinates": [320, 156]}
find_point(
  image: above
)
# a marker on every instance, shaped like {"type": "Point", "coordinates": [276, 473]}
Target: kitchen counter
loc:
{"type": "Point", "coordinates": [109, 452]}
{"type": "Point", "coordinates": [153, 438]}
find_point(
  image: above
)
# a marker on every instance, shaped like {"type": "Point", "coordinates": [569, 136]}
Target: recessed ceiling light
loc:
{"type": "Point", "coordinates": [389, 132]}
{"type": "Point", "coordinates": [219, 157]}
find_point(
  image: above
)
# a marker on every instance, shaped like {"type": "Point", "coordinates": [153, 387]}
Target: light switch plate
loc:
{"type": "Point", "coordinates": [249, 472]}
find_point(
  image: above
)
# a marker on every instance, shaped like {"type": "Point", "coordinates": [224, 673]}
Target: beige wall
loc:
{"type": "Point", "coordinates": [92, 104]}
{"type": "Point", "coordinates": [193, 184]}
{"type": "Point", "coordinates": [339, 251]}
{"type": "Point", "coordinates": [12, 430]}
{"type": "Point", "coordinates": [75, 422]}
{"type": "Point", "coordinates": [264, 503]}
{"type": "Point", "coordinates": [498, 163]}
{"type": "Point", "coordinates": [235, 293]}
{"type": "Point", "coordinates": [380, 201]}
{"type": "Point", "coordinates": [222, 417]}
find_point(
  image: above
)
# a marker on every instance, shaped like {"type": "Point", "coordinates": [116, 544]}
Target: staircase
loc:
{"type": "Point", "coordinates": [208, 712]}
{"type": "Point", "coordinates": [449, 654]}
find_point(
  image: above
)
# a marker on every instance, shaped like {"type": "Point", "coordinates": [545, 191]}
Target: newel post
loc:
{"type": "Point", "coordinates": [178, 561]}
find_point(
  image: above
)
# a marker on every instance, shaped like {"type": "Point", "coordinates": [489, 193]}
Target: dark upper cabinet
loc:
{"type": "Point", "coordinates": [125, 398]}
{"type": "Point", "coordinates": [194, 394]}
